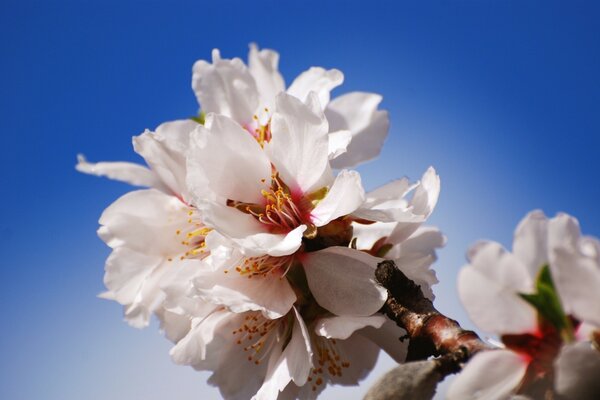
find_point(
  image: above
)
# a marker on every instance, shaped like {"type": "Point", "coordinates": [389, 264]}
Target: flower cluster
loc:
{"type": "Point", "coordinates": [254, 243]}
{"type": "Point", "coordinates": [543, 301]}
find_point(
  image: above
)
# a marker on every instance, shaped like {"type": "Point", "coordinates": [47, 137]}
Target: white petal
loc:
{"type": "Point", "coordinates": [387, 337]}
{"type": "Point", "coordinates": [338, 142]}
{"type": "Point", "coordinates": [489, 287]}
{"type": "Point", "coordinates": [563, 232]}
{"type": "Point", "coordinates": [270, 294]}
{"type": "Point", "coordinates": [415, 256]}
{"type": "Point", "coordinates": [127, 272]}
{"type": "Point", "coordinates": [577, 371]}
{"type": "Point", "coordinates": [343, 281]}
{"type": "Point", "coordinates": [318, 80]}
{"type": "Point", "coordinates": [145, 221]}
{"type": "Point", "coordinates": [357, 112]}
{"type": "Point", "coordinates": [345, 195]}
{"type": "Point", "coordinates": [389, 203]}
{"type": "Point", "coordinates": [577, 279]}
{"type": "Point", "coordinates": [530, 244]}
{"type": "Point", "coordinates": [263, 65]}
{"type": "Point", "coordinates": [175, 326]}
{"type": "Point", "coordinates": [367, 235]}
{"type": "Point", "coordinates": [127, 172]}
{"type": "Point", "coordinates": [227, 160]}
{"type": "Point", "coordinates": [299, 145]}
{"type": "Point", "coordinates": [490, 375]}
{"type": "Point", "coordinates": [225, 87]}
{"type": "Point", "coordinates": [294, 364]}
{"type": "Point", "coordinates": [342, 327]}
{"type": "Point", "coordinates": [272, 244]}
{"type": "Point", "coordinates": [164, 151]}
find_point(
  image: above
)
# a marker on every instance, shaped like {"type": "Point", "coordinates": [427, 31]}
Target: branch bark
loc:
{"type": "Point", "coordinates": [430, 333]}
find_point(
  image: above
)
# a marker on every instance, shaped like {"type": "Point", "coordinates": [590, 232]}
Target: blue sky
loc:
{"type": "Point", "coordinates": [502, 97]}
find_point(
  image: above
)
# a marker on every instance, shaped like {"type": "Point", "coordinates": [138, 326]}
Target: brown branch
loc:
{"type": "Point", "coordinates": [430, 332]}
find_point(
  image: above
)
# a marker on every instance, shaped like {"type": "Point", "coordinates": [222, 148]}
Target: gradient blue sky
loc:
{"type": "Point", "coordinates": [502, 97]}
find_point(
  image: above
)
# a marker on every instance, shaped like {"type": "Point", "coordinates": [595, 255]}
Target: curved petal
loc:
{"type": "Point", "coordinates": [490, 375]}
{"type": "Point", "coordinates": [145, 221]}
{"type": "Point", "coordinates": [530, 244]}
{"type": "Point", "coordinates": [294, 364]}
{"type": "Point", "coordinates": [263, 66]}
{"type": "Point", "coordinates": [357, 112]}
{"type": "Point", "coordinates": [577, 279]}
{"type": "Point", "coordinates": [299, 146]}
{"type": "Point", "coordinates": [342, 281]}
{"type": "Point", "coordinates": [342, 327]}
{"type": "Point", "coordinates": [272, 244]}
{"type": "Point", "coordinates": [318, 80]}
{"type": "Point", "coordinates": [577, 371]}
{"type": "Point", "coordinates": [225, 87]}
{"type": "Point", "coordinates": [228, 161]}
{"type": "Point", "coordinates": [489, 287]}
{"type": "Point", "coordinates": [345, 196]}
{"type": "Point", "coordinates": [270, 293]}
{"type": "Point", "coordinates": [165, 150]}
{"type": "Point", "coordinates": [134, 174]}
{"type": "Point", "coordinates": [388, 338]}
{"type": "Point", "coordinates": [338, 143]}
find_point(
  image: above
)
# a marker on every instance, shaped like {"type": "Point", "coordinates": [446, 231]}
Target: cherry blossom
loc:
{"type": "Point", "coordinates": [537, 300]}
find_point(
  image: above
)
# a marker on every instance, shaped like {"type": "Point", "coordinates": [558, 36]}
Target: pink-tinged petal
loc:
{"type": "Point", "coordinates": [271, 294]}
{"type": "Point", "coordinates": [318, 80]}
{"type": "Point", "coordinates": [145, 221]}
{"type": "Point", "coordinates": [293, 365]}
{"type": "Point", "coordinates": [299, 145]}
{"type": "Point", "coordinates": [489, 287]}
{"type": "Point", "coordinates": [225, 87]}
{"type": "Point", "coordinates": [490, 375]}
{"type": "Point", "coordinates": [263, 66]}
{"type": "Point", "coordinates": [357, 112]}
{"type": "Point", "coordinates": [577, 370]}
{"type": "Point", "coordinates": [577, 279]}
{"type": "Point", "coordinates": [345, 196]}
{"type": "Point", "coordinates": [342, 281]}
{"type": "Point", "coordinates": [530, 244]}
{"type": "Point", "coordinates": [342, 327]}
{"type": "Point", "coordinates": [228, 161]}
{"type": "Point", "coordinates": [165, 150]}
{"type": "Point", "coordinates": [134, 174]}
{"type": "Point", "coordinates": [338, 143]}
{"type": "Point", "coordinates": [387, 337]}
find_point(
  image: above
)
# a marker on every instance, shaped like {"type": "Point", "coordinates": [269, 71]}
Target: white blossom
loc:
{"type": "Point", "coordinates": [537, 299]}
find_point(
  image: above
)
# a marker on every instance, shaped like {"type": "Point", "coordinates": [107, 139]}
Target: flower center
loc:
{"type": "Point", "coordinates": [281, 211]}
{"type": "Point", "coordinates": [192, 236]}
{"type": "Point", "coordinates": [539, 350]}
{"type": "Point", "coordinates": [261, 132]}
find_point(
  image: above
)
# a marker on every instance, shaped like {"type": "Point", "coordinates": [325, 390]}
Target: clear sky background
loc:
{"type": "Point", "coordinates": [502, 97]}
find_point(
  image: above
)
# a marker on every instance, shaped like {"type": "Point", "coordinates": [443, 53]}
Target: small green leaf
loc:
{"type": "Point", "coordinates": [547, 303]}
{"type": "Point", "coordinates": [200, 118]}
